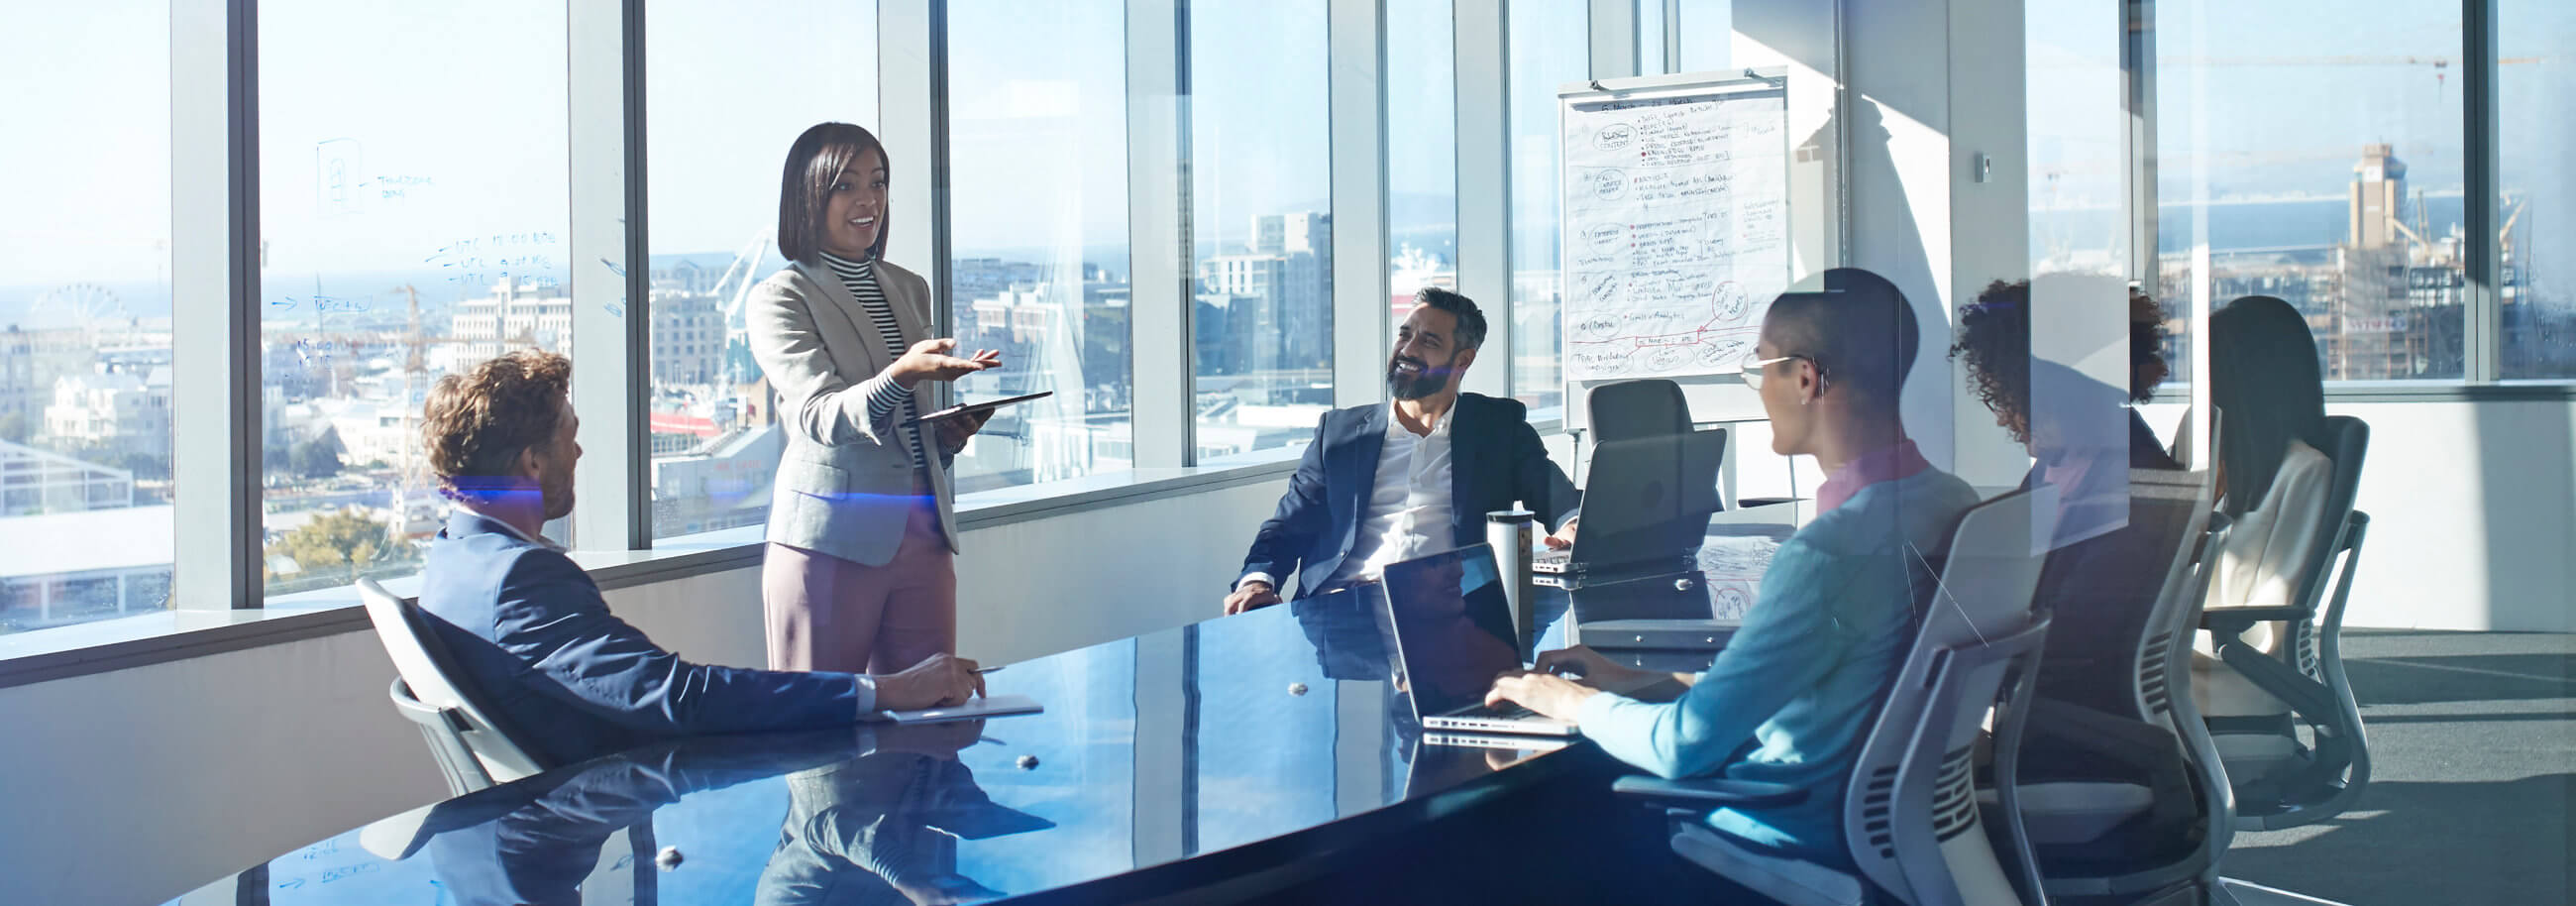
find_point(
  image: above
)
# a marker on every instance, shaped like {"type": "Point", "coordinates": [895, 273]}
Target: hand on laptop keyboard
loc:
{"type": "Point", "coordinates": [1545, 693]}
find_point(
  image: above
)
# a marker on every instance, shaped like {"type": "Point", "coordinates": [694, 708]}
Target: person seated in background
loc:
{"type": "Point", "coordinates": [1994, 342]}
{"type": "Point", "coordinates": [2269, 395]}
{"type": "Point", "coordinates": [1416, 475]}
{"type": "Point", "coordinates": [2101, 582]}
{"type": "Point", "coordinates": [527, 630]}
{"type": "Point", "coordinates": [1790, 698]}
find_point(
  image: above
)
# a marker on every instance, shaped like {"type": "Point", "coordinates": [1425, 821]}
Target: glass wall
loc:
{"type": "Point", "coordinates": [1708, 31]}
{"type": "Point", "coordinates": [85, 354]}
{"type": "Point", "coordinates": [1650, 38]}
{"type": "Point", "coordinates": [717, 130]}
{"type": "Point", "coordinates": [413, 216]}
{"type": "Point", "coordinates": [2059, 389]}
{"type": "Point", "coordinates": [415, 208]}
{"type": "Point", "coordinates": [2314, 155]}
{"type": "Point", "coordinates": [1549, 47]}
{"type": "Point", "coordinates": [2537, 209]}
{"type": "Point", "coordinates": [1038, 183]}
{"type": "Point", "coordinates": [1261, 223]}
{"type": "Point", "coordinates": [1421, 151]}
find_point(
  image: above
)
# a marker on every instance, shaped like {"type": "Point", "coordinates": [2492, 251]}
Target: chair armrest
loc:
{"type": "Point", "coordinates": [2306, 696]}
{"type": "Point", "coordinates": [2107, 735]}
{"type": "Point", "coordinates": [1705, 793]}
{"type": "Point", "coordinates": [2235, 620]}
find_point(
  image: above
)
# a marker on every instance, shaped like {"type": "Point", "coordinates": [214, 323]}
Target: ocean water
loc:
{"type": "Point", "coordinates": [2232, 227]}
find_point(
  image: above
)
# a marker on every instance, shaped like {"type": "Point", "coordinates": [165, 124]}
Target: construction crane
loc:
{"type": "Point", "coordinates": [741, 275]}
{"type": "Point", "coordinates": [2441, 65]}
{"type": "Point", "coordinates": [2504, 235]}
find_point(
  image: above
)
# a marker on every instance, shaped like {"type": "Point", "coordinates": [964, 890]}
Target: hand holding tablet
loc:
{"type": "Point", "coordinates": [975, 408]}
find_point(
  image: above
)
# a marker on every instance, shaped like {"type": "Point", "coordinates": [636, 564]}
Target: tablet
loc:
{"type": "Point", "coordinates": [986, 406]}
{"type": "Point", "coordinates": [974, 708]}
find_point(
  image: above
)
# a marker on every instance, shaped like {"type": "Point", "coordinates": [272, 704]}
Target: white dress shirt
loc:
{"type": "Point", "coordinates": [1408, 507]}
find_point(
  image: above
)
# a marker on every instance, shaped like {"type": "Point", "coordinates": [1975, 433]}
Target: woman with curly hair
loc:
{"type": "Point", "coordinates": [1994, 341]}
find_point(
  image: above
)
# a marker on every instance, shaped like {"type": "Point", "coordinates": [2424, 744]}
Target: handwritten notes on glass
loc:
{"type": "Point", "coordinates": [1676, 231]}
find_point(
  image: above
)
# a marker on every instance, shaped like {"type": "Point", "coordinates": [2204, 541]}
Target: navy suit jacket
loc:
{"type": "Point", "coordinates": [1494, 459]}
{"type": "Point", "coordinates": [528, 636]}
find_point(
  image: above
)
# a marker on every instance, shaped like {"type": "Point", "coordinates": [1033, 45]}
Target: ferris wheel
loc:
{"type": "Point", "coordinates": [85, 306]}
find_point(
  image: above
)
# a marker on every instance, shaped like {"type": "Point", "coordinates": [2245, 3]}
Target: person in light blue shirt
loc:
{"type": "Point", "coordinates": [1791, 697]}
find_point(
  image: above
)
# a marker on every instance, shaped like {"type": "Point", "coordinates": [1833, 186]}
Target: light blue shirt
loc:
{"type": "Point", "coordinates": [1790, 698]}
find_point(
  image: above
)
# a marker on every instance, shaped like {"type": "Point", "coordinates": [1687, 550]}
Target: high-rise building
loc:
{"type": "Point", "coordinates": [2378, 197]}
{"type": "Point", "coordinates": [517, 315]}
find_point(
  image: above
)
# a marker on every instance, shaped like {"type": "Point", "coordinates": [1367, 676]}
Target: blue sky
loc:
{"type": "Point", "coordinates": [463, 104]}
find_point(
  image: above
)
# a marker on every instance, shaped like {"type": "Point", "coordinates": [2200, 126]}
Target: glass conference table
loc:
{"type": "Point", "coordinates": [1261, 757]}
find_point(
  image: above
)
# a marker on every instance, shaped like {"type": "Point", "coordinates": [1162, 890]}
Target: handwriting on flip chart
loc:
{"type": "Point", "coordinates": [1675, 232]}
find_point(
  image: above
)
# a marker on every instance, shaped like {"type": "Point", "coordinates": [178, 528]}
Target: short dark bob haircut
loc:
{"type": "Point", "coordinates": [814, 162]}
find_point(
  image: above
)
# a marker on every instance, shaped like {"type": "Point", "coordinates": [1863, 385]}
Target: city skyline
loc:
{"type": "Point", "coordinates": [107, 231]}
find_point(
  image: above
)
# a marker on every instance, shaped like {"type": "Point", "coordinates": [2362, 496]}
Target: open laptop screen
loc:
{"type": "Point", "coordinates": [1452, 627]}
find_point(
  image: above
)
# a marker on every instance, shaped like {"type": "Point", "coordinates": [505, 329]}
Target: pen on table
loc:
{"type": "Point", "coordinates": [990, 669]}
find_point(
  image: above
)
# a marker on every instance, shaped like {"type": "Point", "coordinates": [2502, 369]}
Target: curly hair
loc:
{"type": "Point", "coordinates": [477, 422]}
{"type": "Point", "coordinates": [1994, 340]}
{"type": "Point", "coordinates": [2147, 366]}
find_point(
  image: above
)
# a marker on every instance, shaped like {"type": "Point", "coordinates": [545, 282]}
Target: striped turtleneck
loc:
{"type": "Point", "coordinates": [886, 399]}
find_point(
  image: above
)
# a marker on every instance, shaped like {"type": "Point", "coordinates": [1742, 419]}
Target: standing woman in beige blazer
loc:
{"type": "Point", "coordinates": [860, 573]}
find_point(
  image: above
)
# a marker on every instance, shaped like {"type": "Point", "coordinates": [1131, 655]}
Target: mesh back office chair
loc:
{"type": "Point", "coordinates": [2209, 774]}
{"type": "Point", "coordinates": [1646, 407]}
{"type": "Point", "coordinates": [2280, 780]}
{"type": "Point", "coordinates": [1909, 812]}
{"type": "Point", "coordinates": [2133, 833]}
{"type": "Point", "coordinates": [473, 751]}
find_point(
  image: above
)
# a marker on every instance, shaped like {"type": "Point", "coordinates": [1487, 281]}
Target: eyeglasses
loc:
{"type": "Point", "coordinates": [1754, 366]}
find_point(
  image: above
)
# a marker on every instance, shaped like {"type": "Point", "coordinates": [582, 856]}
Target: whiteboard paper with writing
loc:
{"type": "Point", "coordinates": [1676, 231]}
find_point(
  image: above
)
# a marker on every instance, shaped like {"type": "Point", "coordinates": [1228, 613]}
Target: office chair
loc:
{"type": "Point", "coordinates": [1646, 407]}
{"type": "Point", "coordinates": [2280, 780]}
{"type": "Point", "coordinates": [2217, 797]}
{"type": "Point", "coordinates": [2119, 813]}
{"type": "Point", "coordinates": [473, 751]}
{"type": "Point", "coordinates": [1909, 813]}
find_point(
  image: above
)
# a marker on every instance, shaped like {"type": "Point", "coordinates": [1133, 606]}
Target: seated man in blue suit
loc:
{"type": "Point", "coordinates": [1416, 475]}
{"type": "Point", "coordinates": [527, 631]}
{"type": "Point", "coordinates": [1791, 696]}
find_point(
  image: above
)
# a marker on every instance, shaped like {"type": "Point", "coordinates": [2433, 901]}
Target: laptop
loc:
{"type": "Point", "coordinates": [1450, 633]}
{"type": "Point", "coordinates": [1645, 507]}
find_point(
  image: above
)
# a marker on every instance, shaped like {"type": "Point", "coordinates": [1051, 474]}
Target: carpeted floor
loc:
{"type": "Point", "coordinates": [2473, 749]}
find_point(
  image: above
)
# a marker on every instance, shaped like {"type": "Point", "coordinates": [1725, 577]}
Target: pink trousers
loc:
{"type": "Point", "coordinates": [825, 613]}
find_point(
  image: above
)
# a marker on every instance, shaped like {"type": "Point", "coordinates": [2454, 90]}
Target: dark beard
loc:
{"type": "Point", "coordinates": [1424, 383]}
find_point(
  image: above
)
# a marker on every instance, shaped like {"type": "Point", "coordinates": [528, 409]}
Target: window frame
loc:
{"type": "Point", "coordinates": [215, 272]}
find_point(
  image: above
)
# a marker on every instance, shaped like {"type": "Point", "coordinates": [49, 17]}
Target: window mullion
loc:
{"type": "Point", "coordinates": [214, 302]}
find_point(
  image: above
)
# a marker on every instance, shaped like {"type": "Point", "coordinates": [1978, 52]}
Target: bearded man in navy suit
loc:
{"type": "Point", "coordinates": [1412, 476]}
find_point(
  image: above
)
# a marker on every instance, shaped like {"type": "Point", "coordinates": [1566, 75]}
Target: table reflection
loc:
{"type": "Point", "coordinates": [1152, 753]}
{"type": "Point", "coordinates": [884, 828]}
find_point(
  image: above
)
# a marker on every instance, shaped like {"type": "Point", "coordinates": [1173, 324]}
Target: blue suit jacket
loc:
{"type": "Point", "coordinates": [1494, 459]}
{"type": "Point", "coordinates": [528, 635]}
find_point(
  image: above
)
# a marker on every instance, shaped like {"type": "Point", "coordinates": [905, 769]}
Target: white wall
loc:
{"type": "Point", "coordinates": [139, 785]}
{"type": "Point", "coordinates": [2472, 514]}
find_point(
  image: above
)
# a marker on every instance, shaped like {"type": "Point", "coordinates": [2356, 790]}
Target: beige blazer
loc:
{"type": "Point", "coordinates": [844, 485]}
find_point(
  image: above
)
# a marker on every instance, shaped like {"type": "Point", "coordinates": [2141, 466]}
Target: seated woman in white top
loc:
{"type": "Point", "coordinates": [2265, 385]}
